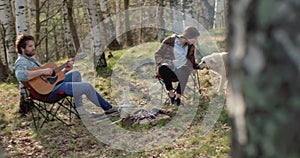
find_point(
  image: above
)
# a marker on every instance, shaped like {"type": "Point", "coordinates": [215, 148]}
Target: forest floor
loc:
{"type": "Point", "coordinates": [20, 139]}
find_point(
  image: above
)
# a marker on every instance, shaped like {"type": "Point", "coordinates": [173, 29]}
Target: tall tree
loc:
{"type": "Point", "coordinates": [96, 31]}
{"type": "Point", "coordinates": [20, 16]}
{"type": "Point", "coordinates": [67, 32]}
{"type": "Point", "coordinates": [3, 66]}
{"type": "Point", "coordinates": [8, 35]}
{"type": "Point", "coordinates": [119, 28]}
{"type": "Point", "coordinates": [86, 13]}
{"type": "Point", "coordinates": [140, 33]}
{"type": "Point", "coordinates": [37, 11]}
{"type": "Point", "coordinates": [128, 38]}
{"type": "Point", "coordinates": [174, 5]}
{"type": "Point", "coordinates": [30, 15]}
{"type": "Point", "coordinates": [220, 13]}
{"type": "Point", "coordinates": [109, 31]}
{"type": "Point", "coordinates": [265, 72]}
{"type": "Point", "coordinates": [47, 52]}
{"type": "Point", "coordinates": [206, 13]}
{"type": "Point", "coordinates": [72, 25]}
{"type": "Point", "coordinates": [187, 8]}
{"type": "Point", "coordinates": [215, 13]}
{"type": "Point", "coordinates": [160, 20]}
{"type": "Point", "coordinates": [108, 24]}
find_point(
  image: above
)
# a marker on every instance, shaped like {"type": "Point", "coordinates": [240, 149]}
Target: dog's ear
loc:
{"type": "Point", "coordinates": [202, 62]}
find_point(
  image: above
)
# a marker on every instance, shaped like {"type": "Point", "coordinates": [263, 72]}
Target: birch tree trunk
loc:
{"type": "Point", "coordinates": [264, 58]}
{"type": "Point", "coordinates": [220, 12]}
{"type": "Point", "coordinates": [109, 29]}
{"type": "Point", "coordinates": [9, 34]}
{"type": "Point", "coordinates": [141, 29]}
{"type": "Point", "coordinates": [20, 16]}
{"type": "Point", "coordinates": [161, 22]}
{"type": "Point", "coordinates": [128, 38]}
{"type": "Point", "coordinates": [119, 28]}
{"type": "Point", "coordinates": [109, 26]}
{"type": "Point", "coordinates": [215, 13]}
{"type": "Point", "coordinates": [96, 31]}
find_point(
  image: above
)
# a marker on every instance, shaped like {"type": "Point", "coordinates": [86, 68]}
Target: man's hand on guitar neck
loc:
{"type": "Point", "coordinates": [69, 66]}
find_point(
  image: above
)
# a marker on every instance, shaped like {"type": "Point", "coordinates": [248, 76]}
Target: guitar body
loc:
{"type": "Point", "coordinates": [44, 84]}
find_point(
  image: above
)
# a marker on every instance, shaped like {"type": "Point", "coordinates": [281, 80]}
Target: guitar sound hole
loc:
{"type": "Point", "coordinates": [53, 73]}
{"type": "Point", "coordinates": [52, 80]}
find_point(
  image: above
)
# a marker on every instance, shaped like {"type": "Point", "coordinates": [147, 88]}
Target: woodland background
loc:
{"type": "Point", "coordinates": [59, 26]}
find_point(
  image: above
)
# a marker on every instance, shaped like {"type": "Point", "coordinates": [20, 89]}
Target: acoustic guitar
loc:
{"type": "Point", "coordinates": [44, 84]}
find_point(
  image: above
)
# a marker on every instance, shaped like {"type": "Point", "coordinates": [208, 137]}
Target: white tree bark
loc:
{"type": "Point", "coordinates": [118, 23]}
{"type": "Point", "coordinates": [20, 16]}
{"type": "Point", "coordinates": [96, 32]}
{"type": "Point", "coordinates": [7, 19]}
{"type": "Point", "coordinates": [108, 27]}
{"type": "Point", "coordinates": [160, 20]}
{"type": "Point", "coordinates": [215, 14]}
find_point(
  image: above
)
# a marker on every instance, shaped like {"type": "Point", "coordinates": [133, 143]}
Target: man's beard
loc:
{"type": "Point", "coordinates": [29, 54]}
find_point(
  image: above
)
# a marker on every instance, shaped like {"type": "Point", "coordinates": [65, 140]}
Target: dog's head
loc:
{"type": "Point", "coordinates": [202, 64]}
{"type": "Point", "coordinates": [207, 62]}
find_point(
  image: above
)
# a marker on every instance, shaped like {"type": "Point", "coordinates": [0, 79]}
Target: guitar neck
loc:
{"type": "Point", "coordinates": [62, 66]}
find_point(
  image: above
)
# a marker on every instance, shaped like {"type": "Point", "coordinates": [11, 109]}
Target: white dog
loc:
{"type": "Point", "coordinates": [217, 63]}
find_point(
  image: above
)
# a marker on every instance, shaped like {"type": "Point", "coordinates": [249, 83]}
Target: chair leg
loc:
{"type": "Point", "coordinates": [198, 81]}
{"type": "Point", "coordinates": [34, 119]}
{"type": "Point", "coordinates": [163, 92]}
{"type": "Point", "coordinates": [51, 109]}
{"type": "Point", "coordinates": [70, 108]}
{"type": "Point", "coordinates": [48, 112]}
{"type": "Point", "coordinates": [43, 112]}
{"type": "Point", "coordinates": [54, 112]}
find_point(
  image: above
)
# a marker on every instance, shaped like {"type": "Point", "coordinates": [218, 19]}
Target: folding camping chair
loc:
{"type": "Point", "coordinates": [164, 92]}
{"type": "Point", "coordinates": [163, 89]}
{"type": "Point", "coordinates": [145, 69]}
{"type": "Point", "coordinates": [47, 109]}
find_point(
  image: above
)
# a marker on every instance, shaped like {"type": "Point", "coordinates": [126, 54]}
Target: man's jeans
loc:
{"type": "Point", "coordinates": [73, 86]}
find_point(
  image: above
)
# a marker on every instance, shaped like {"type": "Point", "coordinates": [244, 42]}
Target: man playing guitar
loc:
{"type": "Point", "coordinates": [27, 69]}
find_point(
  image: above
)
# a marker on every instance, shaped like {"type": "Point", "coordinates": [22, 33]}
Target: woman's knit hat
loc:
{"type": "Point", "coordinates": [190, 32]}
